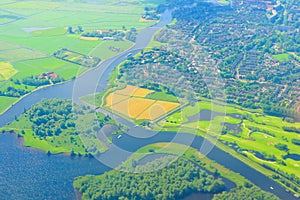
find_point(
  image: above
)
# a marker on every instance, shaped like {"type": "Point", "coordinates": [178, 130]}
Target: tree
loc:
{"type": "Point", "coordinates": [80, 29]}
{"type": "Point", "coordinates": [70, 30]}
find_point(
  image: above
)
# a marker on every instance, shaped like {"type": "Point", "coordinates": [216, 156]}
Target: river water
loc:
{"type": "Point", "coordinates": [30, 174]}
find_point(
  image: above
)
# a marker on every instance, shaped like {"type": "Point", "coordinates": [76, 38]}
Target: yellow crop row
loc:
{"type": "Point", "coordinates": [131, 102]}
{"type": "Point", "coordinates": [132, 107]}
{"type": "Point", "coordinates": [114, 98]}
{"type": "Point", "coordinates": [6, 70]}
{"type": "Point", "coordinates": [158, 109]}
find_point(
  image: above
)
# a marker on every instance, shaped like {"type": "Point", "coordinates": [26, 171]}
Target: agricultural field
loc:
{"type": "Point", "coordinates": [159, 108]}
{"type": "Point", "coordinates": [77, 58]}
{"type": "Point", "coordinates": [37, 66]}
{"type": "Point", "coordinates": [6, 71]}
{"type": "Point", "coordinates": [5, 102]}
{"type": "Point", "coordinates": [7, 17]}
{"type": "Point", "coordinates": [264, 139]}
{"type": "Point", "coordinates": [32, 31]}
{"type": "Point", "coordinates": [133, 102]}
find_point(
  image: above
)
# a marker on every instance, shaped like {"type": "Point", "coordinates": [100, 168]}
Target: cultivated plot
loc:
{"type": "Point", "coordinates": [132, 102]}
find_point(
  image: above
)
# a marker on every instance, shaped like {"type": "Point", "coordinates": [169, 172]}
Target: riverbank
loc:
{"type": "Point", "coordinates": [189, 153]}
{"type": "Point", "coordinates": [252, 132]}
{"type": "Point", "coordinates": [203, 133]}
{"type": "Point", "coordinates": [64, 82]}
{"type": "Point", "coordinates": [28, 173]}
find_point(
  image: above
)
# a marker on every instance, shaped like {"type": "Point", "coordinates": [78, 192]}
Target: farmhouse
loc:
{"type": "Point", "coordinates": [108, 38]}
{"type": "Point", "coordinates": [48, 75]}
{"type": "Point", "coordinates": [102, 31]}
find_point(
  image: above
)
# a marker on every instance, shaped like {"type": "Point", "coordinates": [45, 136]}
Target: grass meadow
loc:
{"type": "Point", "coordinates": [36, 29]}
{"type": "Point", "coordinates": [282, 57]}
{"type": "Point", "coordinates": [270, 132]}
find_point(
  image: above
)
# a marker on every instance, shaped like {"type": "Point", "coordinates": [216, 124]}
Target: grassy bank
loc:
{"type": "Point", "coordinates": [258, 133]}
{"type": "Point", "coordinates": [57, 126]}
{"type": "Point", "coordinates": [191, 154]}
{"type": "Point", "coordinates": [26, 50]}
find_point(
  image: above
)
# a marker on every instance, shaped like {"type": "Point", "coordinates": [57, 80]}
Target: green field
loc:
{"type": "Point", "coordinates": [105, 50]}
{"type": "Point", "coordinates": [225, 2]}
{"type": "Point", "coordinates": [39, 28]}
{"type": "Point", "coordinates": [263, 139]}
{"type": "Point", "coordinates": [162, 96]}
{"type": "Point", "coordinates": [37, 66]}
{"type": "Point", "coordinates": [5, 102]}
{"type": "Point", "coordinates": [282, 57]}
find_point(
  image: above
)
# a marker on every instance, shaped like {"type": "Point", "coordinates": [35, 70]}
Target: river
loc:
{"type": "Point", "coordinates": [30, 174]}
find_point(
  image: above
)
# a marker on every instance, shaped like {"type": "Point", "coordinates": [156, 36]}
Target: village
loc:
{"type": "Point", "coordinates": [258, 59]}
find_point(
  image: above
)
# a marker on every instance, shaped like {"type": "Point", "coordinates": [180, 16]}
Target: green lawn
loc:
{"type": "Point", "coordinates": [106, 49]}
{"type": "Point", "coordinates": [225, 2]}
{"type": "Point", "coordinates": [29, 44]}
{"type": "Point", "coordinates": [263, 141]}
{"type": "Point", "coordinates": [49, 32]}
{"type": "Point", "coordinates": [5, 102]}
{"type": "Point", "coordinates": [35, 67]}
{"type": "Point", "coordinates": [182, 116]}
{"type": "Point", "coordinates": [282, 57]}
{"type": "Point", "coordinates": [162, 96]}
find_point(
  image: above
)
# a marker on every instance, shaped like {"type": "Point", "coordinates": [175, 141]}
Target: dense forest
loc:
{"type": "Point", "coordinates": [175, 181]}
{"type": "Point", "coordinates": [61, 126]}
{"type": "Point", "coordinates": [52, 117]}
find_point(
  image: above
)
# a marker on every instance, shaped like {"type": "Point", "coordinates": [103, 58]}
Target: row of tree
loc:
{"type": "Point", "coordinates": [13, 92]}
{"type": "Point", "coordinates": [291, 129]}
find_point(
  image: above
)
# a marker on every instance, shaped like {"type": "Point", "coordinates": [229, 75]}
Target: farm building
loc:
{"type": "Point", "coordinates": [48, 75]}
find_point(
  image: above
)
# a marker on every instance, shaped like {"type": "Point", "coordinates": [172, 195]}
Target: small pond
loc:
{"type": "Point", "coordinates": [293, 157]}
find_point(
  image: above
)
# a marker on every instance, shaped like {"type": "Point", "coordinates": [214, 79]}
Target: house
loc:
{"type": "Point", "coordinates": [102, 31]}
{"type": "Point", "coordinates": [52, 74]}
{"type": "Point", "coordinates": [46, 75]}
{"type": "Point", "coordinates": [108, 38]}
{"type": "Point", "coordinates": [43, 76]}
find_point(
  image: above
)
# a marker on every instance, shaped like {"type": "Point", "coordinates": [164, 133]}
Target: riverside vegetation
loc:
{"type": "Point", "coordinates": [58, 126]}
{"type": "Point", "coordinates": [36, 33]}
